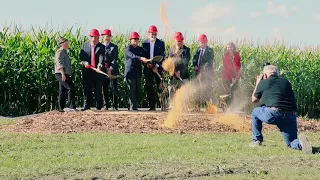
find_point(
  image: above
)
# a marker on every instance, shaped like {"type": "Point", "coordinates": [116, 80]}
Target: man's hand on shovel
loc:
{"type": "Point", "coordinates": [86, 65]}
{"type": "Point", "coordinates": [145, 60]}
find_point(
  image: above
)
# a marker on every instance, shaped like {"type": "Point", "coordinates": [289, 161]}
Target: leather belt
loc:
{"type": "Point", "coordinates": [283, 111]}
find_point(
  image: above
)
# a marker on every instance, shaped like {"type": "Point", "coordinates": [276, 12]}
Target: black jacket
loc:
{"type": "Point", "coordinates": [85, 53]}
{"type": "Point", "coordinates": [133, 65]}
{"type": "Point", "coordinates": [206, 60]}
{"type": "Point", "coordinates": [159, 50]}
{"type": "Point", "coordinates": [182, 61]}
{"type": "Point", "coordinates": [112, 57]}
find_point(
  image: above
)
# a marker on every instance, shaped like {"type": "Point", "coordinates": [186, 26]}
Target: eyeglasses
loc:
{"type": "Point", "coordinates": [64, 42]}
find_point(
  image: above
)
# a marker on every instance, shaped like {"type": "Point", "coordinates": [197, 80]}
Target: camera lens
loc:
{"type": "Point", "coordinates": [266, 64]}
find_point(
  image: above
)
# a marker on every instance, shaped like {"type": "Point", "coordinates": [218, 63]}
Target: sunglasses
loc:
{"type": "Point", "coordinates": [135, 38]}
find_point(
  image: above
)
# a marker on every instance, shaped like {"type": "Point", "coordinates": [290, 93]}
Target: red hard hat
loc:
{"type": "Point", "coordinates": [203, 38]}
{"type": "Point", "coordinates": [134, 35]}
{"type": "Point", "coordinates": [94, 33]}
{"type": "Point", "coordinates": [178, 36]}
{"type": "Point", "coordinates": [106, 32]}
{"type": "Point", "coordinates": [152, 29]}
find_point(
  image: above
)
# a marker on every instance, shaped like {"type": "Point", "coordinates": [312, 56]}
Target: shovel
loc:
{"type": "Point", "coordinates": [103, 73]}
{"type": "Point", "coordinates": [156, 59]}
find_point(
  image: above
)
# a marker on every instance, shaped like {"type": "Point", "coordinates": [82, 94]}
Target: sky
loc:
{"type": "Point", "coordinates": [291, 21]}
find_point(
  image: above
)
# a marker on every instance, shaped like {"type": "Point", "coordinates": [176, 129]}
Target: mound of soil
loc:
{"type": "Point", "coordinates": [133, 122]}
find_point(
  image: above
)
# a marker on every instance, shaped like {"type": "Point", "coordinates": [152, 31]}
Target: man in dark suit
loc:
{"type": "Point", "coordinates": [181, 55]}
{"type": "Point", "coordinates": [154, 47]}
{"type": "Point", "coordinates": [203, 57]}
{"type": "Point", "coordinates": [203, 67]}
{"type": "Point", "coordinates": [92, 54]}
{"type": "Point", "coordinates": [111, 67]}
{"type": "Point", "coordinates": [134, 55]}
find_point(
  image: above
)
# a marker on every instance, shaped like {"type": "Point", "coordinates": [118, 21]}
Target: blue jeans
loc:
{"type": "Point", "coordinates": [287, 123]}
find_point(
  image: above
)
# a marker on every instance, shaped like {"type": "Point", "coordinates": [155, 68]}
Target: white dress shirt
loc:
{"type": "Point", "coordinates": [151, 49]}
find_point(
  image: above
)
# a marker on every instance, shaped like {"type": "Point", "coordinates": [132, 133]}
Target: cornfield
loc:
{"type": "Point", "coordinates": [28, 85]}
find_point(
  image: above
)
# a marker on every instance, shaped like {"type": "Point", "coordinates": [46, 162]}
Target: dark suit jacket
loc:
{"type": "Point", "coordinates": [85, 53]}
{"type": "Point", "coordinates": [112, 57]}
{"type": "Point", "coordinates": [182, 63]}
{"type": "Point", "coordinates": [206, 60]}
{"type": "Point", "coordinates": [133, 67]}
{"type": "Point", "coordinates": [159, 50]}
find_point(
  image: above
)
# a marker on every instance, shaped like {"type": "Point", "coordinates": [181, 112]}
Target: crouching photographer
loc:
{"type": "Point", "coordinates": [280, 109]}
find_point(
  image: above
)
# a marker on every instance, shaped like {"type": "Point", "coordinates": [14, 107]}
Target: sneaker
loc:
{"type": "Point", "coordinates": [254, 144]}
{"type": "Point", "coordinates": [305, 144]}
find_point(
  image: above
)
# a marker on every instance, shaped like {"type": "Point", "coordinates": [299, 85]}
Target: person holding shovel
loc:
{"type": "Point", "coordinates": [154, 47]}
{"type": "Point", "coordinates": [111, 67]}
{"type": "Point", "coordinates": [203, 57]}
{"type": "Point", "coordinates": [62, 68]}
{"type": "Point", "coordinates": [92, 56]}
{"type": "Point", "coordinates": [203, 67]}
{"type": "Point", "coordinates": [135, 55]}
{"type": "Point", "coordinates": [231, 69]}
{"type": "Point", "coordinates": [181, 55]}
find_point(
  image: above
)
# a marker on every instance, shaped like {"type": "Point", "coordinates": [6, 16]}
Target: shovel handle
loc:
{"type": "Point", "coordinates": [181, 80]}
{"type": "Point", "coordinates": [159, 76]}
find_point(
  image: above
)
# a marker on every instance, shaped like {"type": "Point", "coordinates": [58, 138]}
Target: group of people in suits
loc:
{"type": "Point", "coordinates": [104, 56]}
{"type": "Point", "coordinates": [93, 54]}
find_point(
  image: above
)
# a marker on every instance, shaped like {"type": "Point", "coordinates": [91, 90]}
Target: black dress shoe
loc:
{"type": "Point", "coordinates": [152, 109]}
{"type": "Point", "coordinates": [61, 110]}
{"type": "Point", "coordinates": [84, 109]}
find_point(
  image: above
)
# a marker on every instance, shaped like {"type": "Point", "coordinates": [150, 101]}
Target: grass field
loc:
{"type": "Point", "coordinates": [152, 156]}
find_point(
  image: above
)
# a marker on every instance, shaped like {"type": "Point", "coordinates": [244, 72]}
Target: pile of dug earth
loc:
{"type": "Point", "coordinates": [138, 122]}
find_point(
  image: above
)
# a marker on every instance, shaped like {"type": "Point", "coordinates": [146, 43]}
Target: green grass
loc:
{"type": "Point", "coordinates": [147, 156]}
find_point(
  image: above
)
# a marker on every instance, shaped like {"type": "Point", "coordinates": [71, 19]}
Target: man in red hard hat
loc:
{"type": "Point", "coordinates": [111, 67]}
{"type": "Point", "coordinates": [204, 55]}
{"type": "Point", "coordinates": [203, 67]}
{"type": "Point", "coordinates": [134, 55]}
{"type": "Point", "coordinates": [92, 54]}
{"type": "Point", "coordinates": [154, 47]}
{"type": "Point", "coordinates": [181, 54]}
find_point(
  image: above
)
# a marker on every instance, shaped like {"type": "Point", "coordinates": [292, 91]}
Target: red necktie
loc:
{"type": "Point", "coordinates": [93, 59]}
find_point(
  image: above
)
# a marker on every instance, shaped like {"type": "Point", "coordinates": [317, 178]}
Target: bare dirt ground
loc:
{"type": "Point", "coordinates": [136, 122]}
